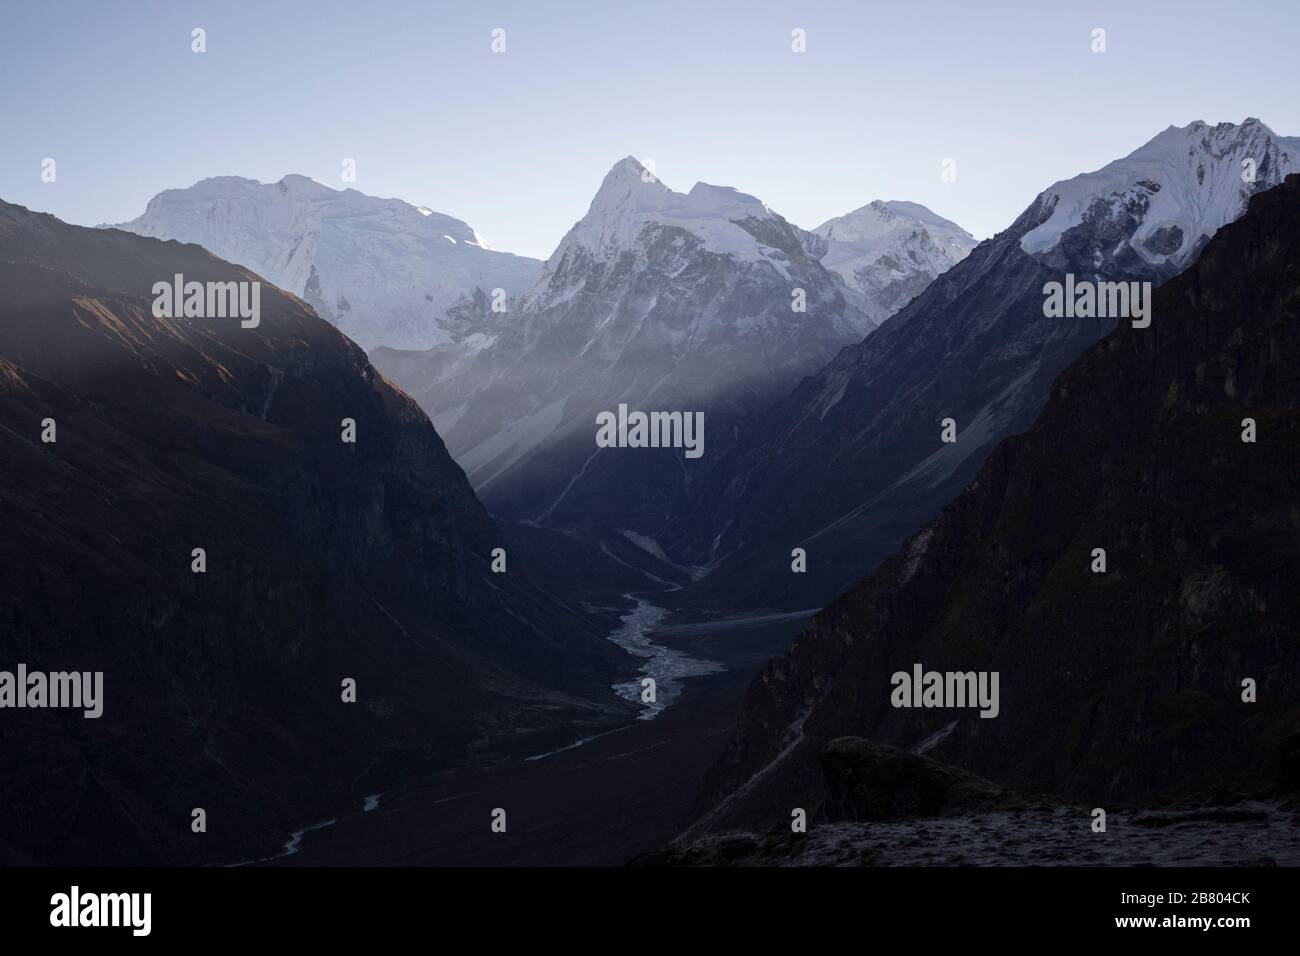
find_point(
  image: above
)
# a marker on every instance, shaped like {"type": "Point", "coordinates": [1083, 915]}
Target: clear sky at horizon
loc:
{"type": "Point", "coordinates": [516, 143]}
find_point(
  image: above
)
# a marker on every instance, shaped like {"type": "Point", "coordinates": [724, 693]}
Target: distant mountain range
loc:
{"type": "Point", "coordinates": [684, 301]}
{"type": "Point", "coordinates": [852, 461]}
{"type": "Point", "coordinates": [1171, 673]}
{"type": "Point", "coordinates": [661, 301]}
{"type": "Point", "coordinates": [658, 300]}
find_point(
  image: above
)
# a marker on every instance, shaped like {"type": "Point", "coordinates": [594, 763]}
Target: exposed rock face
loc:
{"type": "Point", "coordinates": [324, 561]}
{"type": "Point", "coordinates": [851, 463]}
{"type": "Point", "coordinates": [1118, 686]}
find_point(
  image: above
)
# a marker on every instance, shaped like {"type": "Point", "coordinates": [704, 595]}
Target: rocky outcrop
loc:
{"type": "Point", "coordinates": [868, 781]}
{"type": "Point", "coordinates": [1261, 834]}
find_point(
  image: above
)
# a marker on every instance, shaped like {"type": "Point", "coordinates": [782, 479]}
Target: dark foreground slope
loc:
{"type": "Point", "coordinates": [325, 561]}
{"type": "Point", "coordinates": [1116, 686]}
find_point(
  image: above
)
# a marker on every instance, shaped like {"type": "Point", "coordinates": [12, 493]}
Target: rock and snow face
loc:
{"type": "Point", "coordinates": [1163, 201]}
{"type": "Point", "coordinates": [635, 218]}
{"type": "Point", "coordinates": [382, 270]}
{"type": "Point", "coordinates": [632, 197]}
{"type": "Point", "coordinates": [860, 440]}
{"type": "Point", "coordinates": [657, 299]}
{"type": "Point", "coordinates": [890, 251]}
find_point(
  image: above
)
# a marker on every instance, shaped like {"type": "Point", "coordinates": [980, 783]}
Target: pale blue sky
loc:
{"type": "Point", "coordinates": [516, 143]}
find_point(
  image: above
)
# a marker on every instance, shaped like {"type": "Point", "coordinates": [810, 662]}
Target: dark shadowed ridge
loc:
{"type": "Point", "coordinates": [325, 561]}
{"type": "Point", "coordinates": [1125, 685]}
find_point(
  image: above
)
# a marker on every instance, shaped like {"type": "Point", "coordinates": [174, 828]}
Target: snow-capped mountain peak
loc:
{"type": "Point", "coordinates": [867, 222]}
{"type": "Point", "coordinates": [630, 197]}
{"type": "Point", "coordinates": [890, 251]}
{"type": "Point", "coordinates": [385, 271]}
{"type": "Point", "coordinates": [704, 300]}
{"type": "Point", "coordinates": [627, 197]}
{"type": "Point", "coordinates": [1165, 199]}
{"type": "Point", "coordinates": [878, 218]}
{"type": "Point", "coordinates": [299, 183]}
